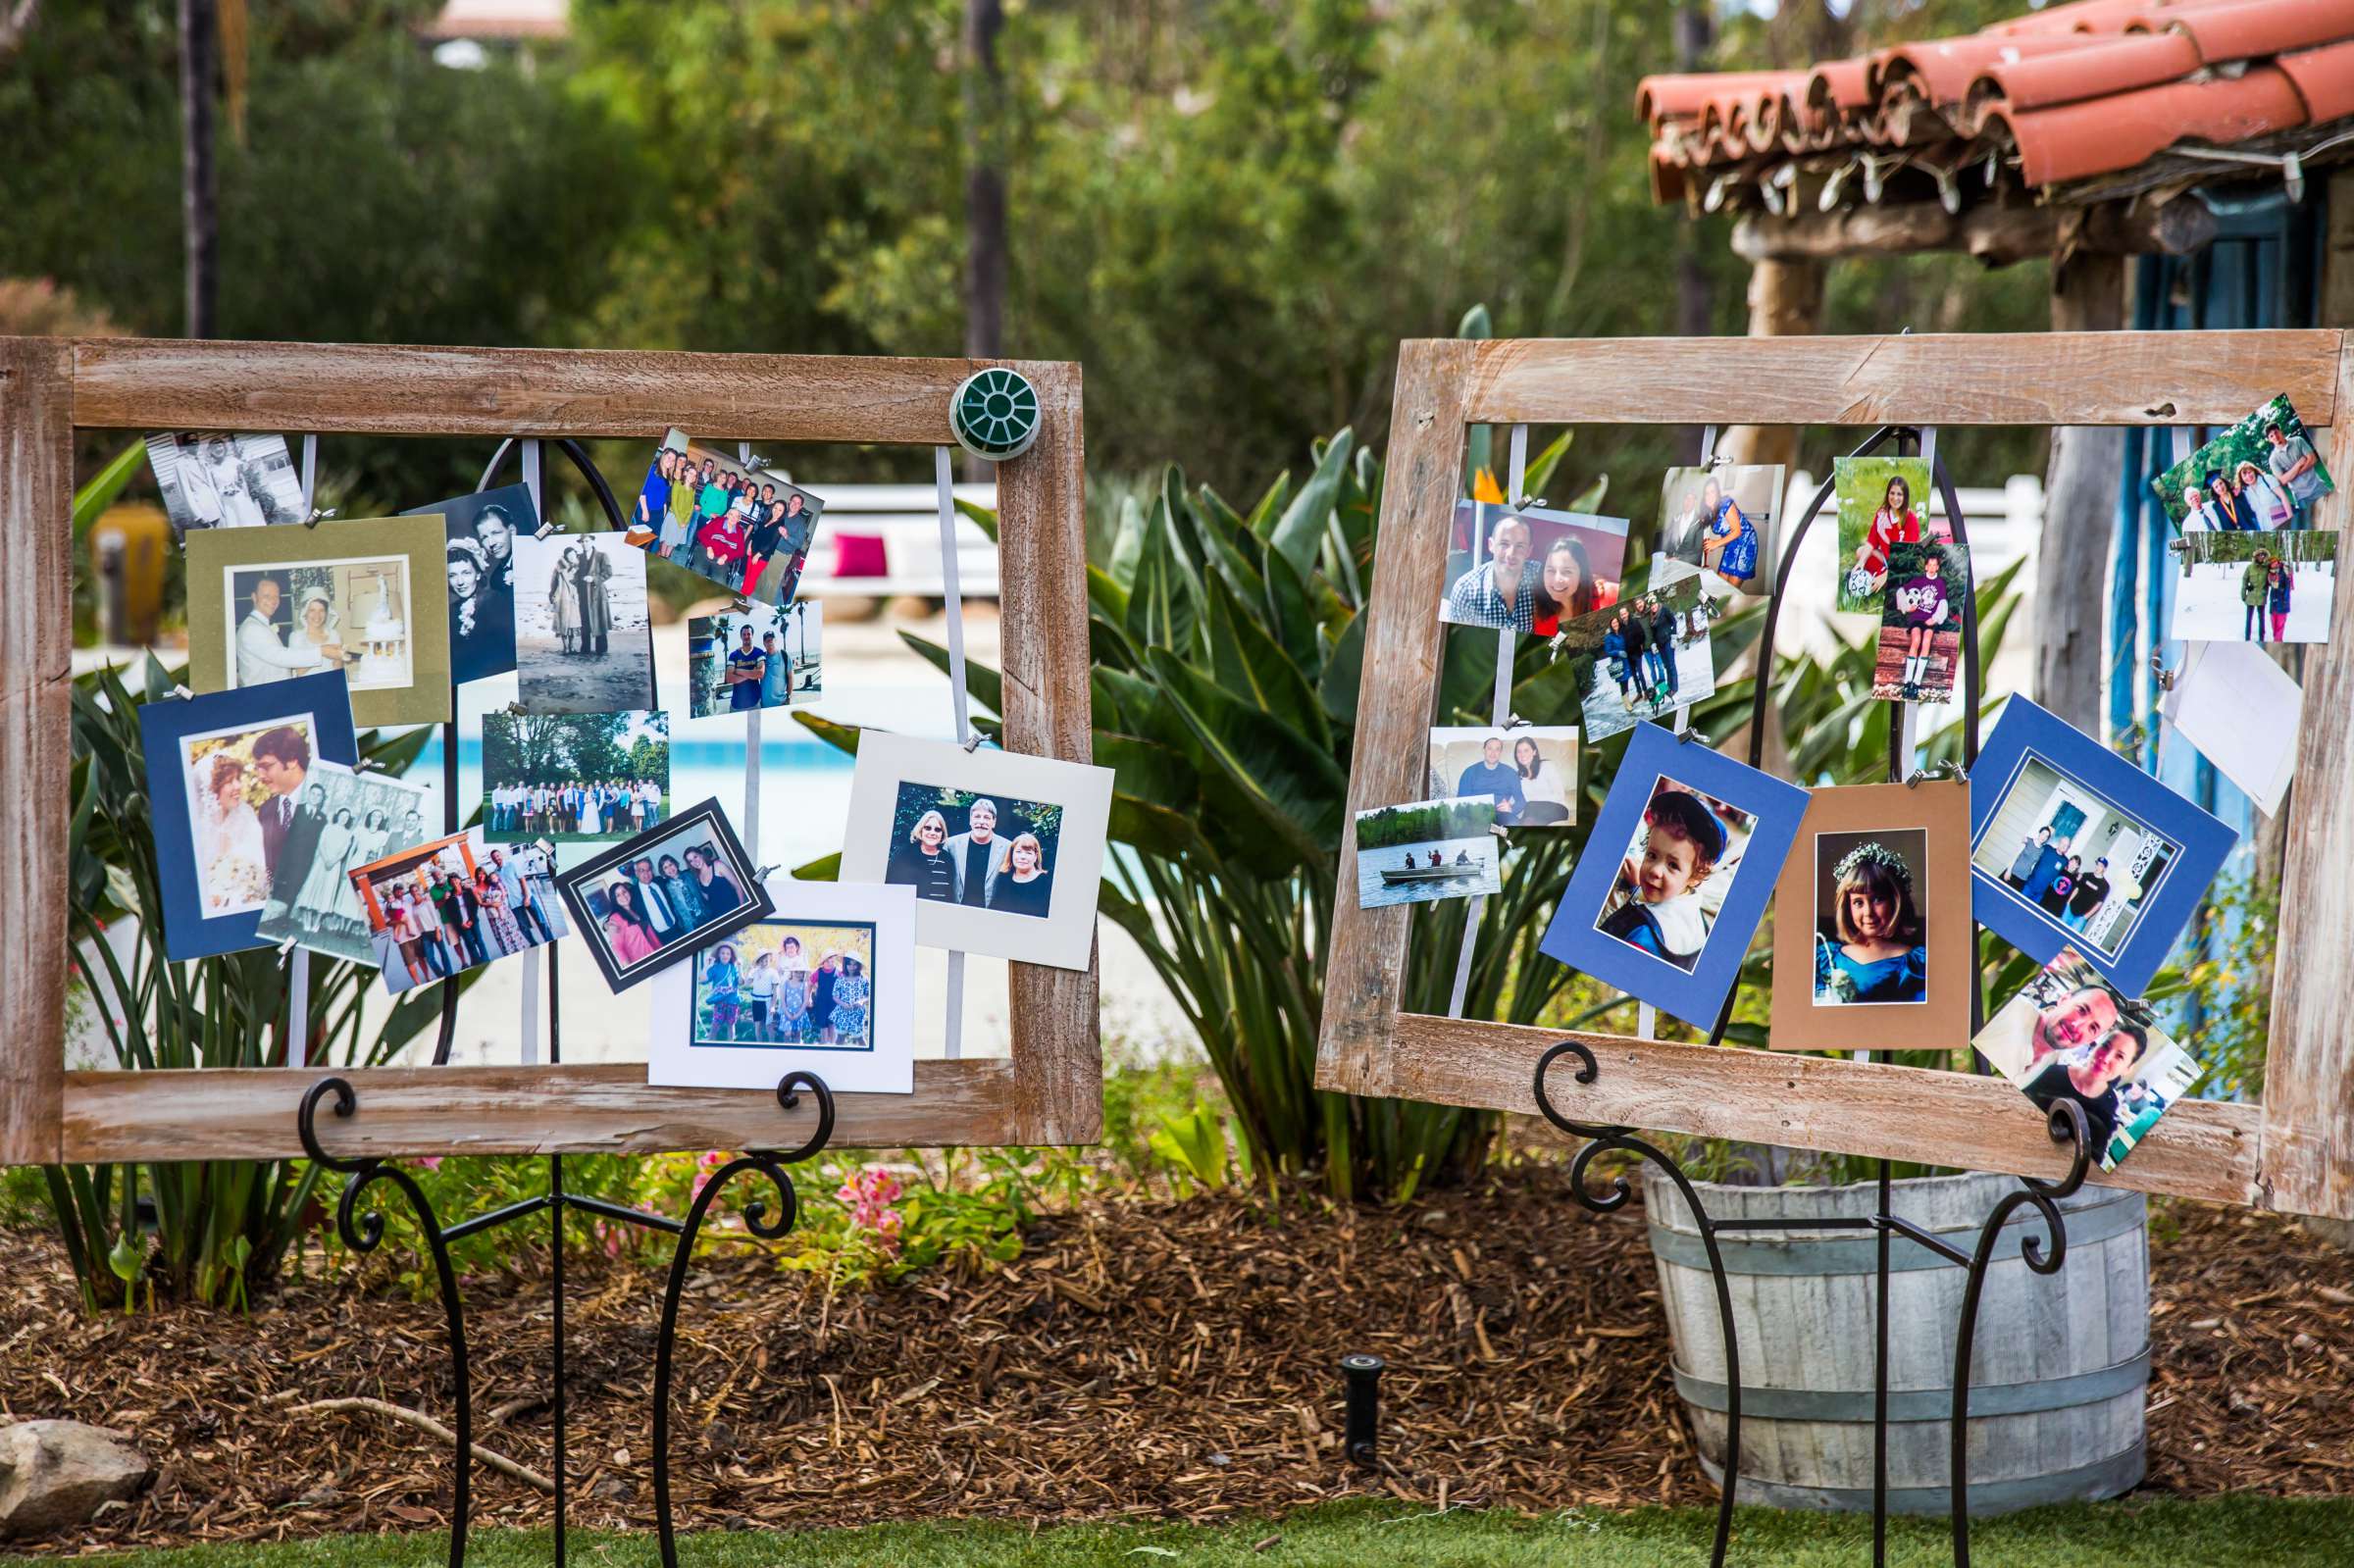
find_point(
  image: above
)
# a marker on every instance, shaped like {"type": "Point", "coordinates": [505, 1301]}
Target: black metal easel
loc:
{"type": "Point", "coordinates": [2066, 1123]}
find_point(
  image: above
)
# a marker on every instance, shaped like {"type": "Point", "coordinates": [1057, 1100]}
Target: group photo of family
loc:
{"type": "Point", "coordinates": [1642, 658]}
{"type": "Point", "coordinates": [1675, 874]}
{"type": "Point", "coordinates": [2062, 851]}
{"type": "Point", "coordinates": [761, 656]}
{"type": "Point", "coordinates": [1872, 925]}
{"type": "Point", "coordinates": [214, 480]}
{"type": "Point", "coordinates": [1530, 571]}
{"type": "Point", "coordinates": [953, 846]}
{"type": "Point", "coordinates": [574, 778]}
{"type": "Point", "coordinates": [655, 899]}
{"type": "Point", "coordinates": [451, 904]}
{"type": "Point", "coordinates": [480, 556]}
{"type": "Point", "coordinates": [1529, 772]}
{"type": "Point", "coordinates": [583, 642]}
{"type": "Point", "coordinates": [744, 529]}
{"type": "Point", "coordinates": [1423, 850]}
{"type": "Point", "coordinates": [1718, 520]}
{"type": "Point", "coordinates": [2277, 587]}
{"type": "Point", "coordinates": [1921, 610]}
{"type": "Point", "coordinates": [788, 983]}
{"type": "Point", "coordinates": [342, 819]}
{"type": "Point", "coordinates": [2261, 475]}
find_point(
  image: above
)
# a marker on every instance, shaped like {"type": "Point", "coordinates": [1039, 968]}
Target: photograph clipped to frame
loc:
{"type": "Point", "coordinates": [1720, 520]}
{"type": "Point", "coordinates": [1531, 569]}
{"type": "Point", "coordinates": [2073, 846]}
{"type": "Point", "coordinates": [1921, 611]}
{"type": "Point", "coordinates": [1529, 772]}
{"type": "Point", "coordinates": [583, 639]}
{"type": "Point", "coordinates": [482, 527]}
{"type": "Point", "coordinates": [755, 656]}
{"type": "Point", "coordinates": [2263, 475]}
{"type": "Point", "coordinates": [2071, 1036]}
{"type": "Point", "coordinates": [1643, 657]}
{"type": "Point", "coordinates": [217, 480]}
{"type": "Point", "coordinates": [1884, 502]}
{"type": "Point", "coordinates": [746, 528]}
{"type": "Point", "coordinates": [647, 904]}
{"type": "Point", "coordinates": [1421, 851]}
{"type": "Point", "coordinates": [1005, 851]}
{"type": "Point", "coordinates": [364, 597]}
{"type": "Point", "coordinates": [574, 778]}
{"type": "Point", "coordinates": [344, 819]}
{"type": "Point", "coordinates": [448, 905]}
{"type": "Point", "coordinates": [823, 983]}
{"type": "Point", "coordinates": [2279, 586]}
{"type": "Point", "coordinates": [1872, 921]}
{"type": "Point", "coordinates": [1676, 875]}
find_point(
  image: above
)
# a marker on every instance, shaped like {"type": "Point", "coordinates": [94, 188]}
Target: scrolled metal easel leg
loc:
{"type": "Point", "coordinates": [771, 1164]}
{"type": "Point", "coordinates": [1602, 1140]}
{"type": "Point", "coordinates": [362, 1233]}
{"type": "Point", "coordinates": [2068, 1128]}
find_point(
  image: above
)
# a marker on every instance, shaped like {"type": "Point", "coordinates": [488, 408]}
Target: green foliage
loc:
{"type": "Point", "coordinates": [1388, 826]}
{"type": "Point", "coordinates": [1196, 1145]}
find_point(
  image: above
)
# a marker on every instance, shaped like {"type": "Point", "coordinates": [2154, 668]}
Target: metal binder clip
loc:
{"type": "Point", "coordinates": [547, 526]}
{"type": "Point", "coordinates": [516, 710]}
{"type": "Point", "coordinates": [316, 515]}
{"type": "Point", "coordinates": [1515, 722]}
{"type": "Point", "coordinates": [285, 949]}
{"type": "Point", "coordinates": [1944, 768]}
{"type": "Point", "coordinates": [753, 464]}
{"type": "Point", "coordinates": [1684, 737]}
{"type": "Point", "coordinates": [973, 744]}
{"type": "Point", "coordinates": [2167, 678]}
{"type": "Point", "coordinates": [366, 765]}
{"type": "Point", "coordinates": [183, 692]}
{"type": "Point", "coordinates": [762, 874]}
{"type": "Point", "coordinates": [1527, 501]}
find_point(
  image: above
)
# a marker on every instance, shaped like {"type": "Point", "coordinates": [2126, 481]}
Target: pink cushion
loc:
{"type": "Point", "coordinates": [859, 555]}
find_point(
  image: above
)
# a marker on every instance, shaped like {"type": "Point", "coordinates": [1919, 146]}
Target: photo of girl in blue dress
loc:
{"type": "Point", "coordinates": [1871, 936]}
{"type": "Point", "coordinates": [1719, 519]}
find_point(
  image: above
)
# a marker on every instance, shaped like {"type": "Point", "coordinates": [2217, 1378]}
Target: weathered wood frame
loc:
{"type": "Point", "coordinates": [2293, 1152]}
{"type": "Point", "coordinates": [1049, 1090]}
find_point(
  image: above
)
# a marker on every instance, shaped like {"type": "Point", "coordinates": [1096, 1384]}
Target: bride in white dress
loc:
{"type": "Point", "coordinates": [591, 807]}
{"type": "Point", "coordinates": [323, 885]}
{"type": "Point", "coordinates": [231, 865]}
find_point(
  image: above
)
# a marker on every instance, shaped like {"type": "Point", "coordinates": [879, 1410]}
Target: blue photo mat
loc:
{"type": "Point", "coordinates": [2027, 733]}
{"type": "Point", "coordinates": [1694, 996]}
{"type": "Point", "coordinates": [324, 699]}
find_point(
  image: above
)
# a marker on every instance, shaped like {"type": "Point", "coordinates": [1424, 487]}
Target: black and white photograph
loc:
{"type": "Point", "coordinates": [1005, 851]}
{"type": "Point", "coordinates": [1529, 771]}
{"type": "Point", "coordinates": [1719, 519]}
{"type": "Point", "coordinates": [645, 905]}
{"type": "Point", "coordinates": [482, 527]}
{"type": "Point", "coordinates": [214, 480]}
{"type": "Point", "coordinates": [746, 529]}
{"type": "Point", "coordinates": [583, 642]}
{"type": "Point", "coordinates": [755, 656]}
{"type": "Point", "coordinates": [344, 819]}
{"type": "Point", "coordinates": [574, 778]}
{"type": "Point", "coordinates": [439, 908]}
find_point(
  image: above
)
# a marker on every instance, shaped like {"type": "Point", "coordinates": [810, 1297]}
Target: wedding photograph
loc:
{"type": "Point", "coordinates": [1420, 851]}
{"type": "Point", "coordinates": [2071, 1036]}
{"type": "Point", "coordinates": [583, 639]}
{"type": "Point", "coordinates": [574, 778]}
{"type": "Point", "coordinates": [2275, 587]}
{"type": "Point", "coordinates": [365, 598]}
{"type": "Point", "coordinates": [221, 481]}
{"type": "Point", "coordinates": [1719, 519]}
{"type": "Point", "coordinates": [824, 983]}
{"type": "Point", "coordinates": [1529, 772]}
{"type": "Point", "coordinates": [648, 902]}
{"type": "Point", "coordinates": [1646, 656]}
{"type": "Point", "coordinates": [344, 819]}
{"type": "Point", "coordinates": [483, 526]}
{"type": "Point", "coordinates": [1922, 608]}
{"type": "Point", "coordinates": [2263, 475]}
{"type": "Point", "coordinates": [441, 907]}
{"type": "Point", "coordinates": [1884, 502]}
{"type": "Point", "coordinates": [228, 775]}
{"type": "Point", "coordinates": [755, 656]}
{"type": "Point", "coordinates": [1531, 569]}
{"type": "Point", "coordinates": [744, 528]}
{"type": "Point", "coordinates": [1005, 851]}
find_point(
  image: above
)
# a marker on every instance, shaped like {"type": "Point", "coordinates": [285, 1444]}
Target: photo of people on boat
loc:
{"type": "Point", "coordinates": [1426, 850]}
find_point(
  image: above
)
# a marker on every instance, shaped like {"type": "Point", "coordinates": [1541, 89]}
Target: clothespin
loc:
{"type": "Point", "coordinates": [317, 514]}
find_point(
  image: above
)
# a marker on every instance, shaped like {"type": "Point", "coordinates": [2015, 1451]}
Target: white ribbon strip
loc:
{"type": "Point", "coordinates": [299, 962]}
{"type": "Point", "coordinates": [530, 955]}
{"type": "Point", "coordinates": [752, 731]}
{"type": "Point", "coordinates": [1508, 646]}
{"type": "Point", "coordinates": [943, 482]}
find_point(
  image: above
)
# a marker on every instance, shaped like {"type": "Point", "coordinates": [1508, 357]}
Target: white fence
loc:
{"type": "Point", "coordinates": [896, 528]}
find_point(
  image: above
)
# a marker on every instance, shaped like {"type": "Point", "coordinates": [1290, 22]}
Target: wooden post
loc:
{"type": "Point", "coordinates": [2079, 512]}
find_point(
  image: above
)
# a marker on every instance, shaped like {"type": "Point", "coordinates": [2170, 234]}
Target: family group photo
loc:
{"type": "Point", "coordinates": [1884, 502]}
{"type": "Point", "coordinates": [2264, 474]}
{"type": "Point", "coordinates": [1530, 571]}
{"type": "Point", "coordinates": [220, 481]}
{"type": "Point", "coordinates": [574, 778]}
{"type": "Point", "coordinates": [582, 635]}
{"type": "Point", "coordinates": [342, 819]}
{"type": "Point", "coordinates": [746, 528]}
{"type": "Point", "coordinates": [2275, 587]}
{"type": "Point", "coordinates": [2065, 851]}
{"type": "Point", "coordinates": [1646, 656]}
{"type": "Point", "coordinates": [1528, 772]}
{"type": "Point", "coordinates": [954, 846]}
{"type": "Point", "coordinates": [758, 656]}
{"type": "Point", "coordinates": [1871, 918]}
{"type": "Point", "coordinates": [1674, 873]}
{"type": "Point", "coordinates": [1921, 611]}
{"type": "Point", "coordinates": [440, 908]}
{"type": "Point", "coordinates": [652, 900]}
{"type": "Point", "coordinates": [788, 983]}
{"type": "Point", "coordinates": [1424, 850]}
{"type": "Point", "coordinates": [1718, 520]}
{"type": "Point", "coordinates": [2070, 1035]}
{"type": "Point", "coordinates": [480, 557]}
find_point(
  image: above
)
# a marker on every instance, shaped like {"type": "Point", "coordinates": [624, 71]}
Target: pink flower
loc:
{"type": "Point", "coordinates": [431, 1162]}
{"type": "Point", "coordinates": [870, 1196]}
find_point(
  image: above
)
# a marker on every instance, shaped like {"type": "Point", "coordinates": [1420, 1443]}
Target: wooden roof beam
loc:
{"type": "Point", "coordinates": [1996, 233]}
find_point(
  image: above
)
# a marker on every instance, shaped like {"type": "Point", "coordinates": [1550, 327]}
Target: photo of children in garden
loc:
{"type": "Point", "coordinates": [1675, 873]}
{"type": "Point", "coordinates": [2275, 587]}
{"type": "Point", "coordinates": [788, 983]}
{"type": "Point", "coordinates": [1719, 519]}
{"type": "Point", "coordinates": [1927, 596]}
{"type": "Point", "coordinates": [1884, 502]}
{"type": "Point", "coordinates": [2263, 475]}
{"type": "Point", "coordinates": [1872, 928]}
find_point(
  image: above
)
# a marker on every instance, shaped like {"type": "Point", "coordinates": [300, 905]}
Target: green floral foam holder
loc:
{"type": "Point", "coordinates": [994, 414]}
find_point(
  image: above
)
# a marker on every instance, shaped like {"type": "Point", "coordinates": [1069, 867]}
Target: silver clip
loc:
{"type": "Point", "coordinates": [316, 515]}
{"type": "Point", "coordinates": [973, 744]}
{"type": "Point", "coordinates": [2167, 678]}
{"type": "Point", "coordinates": [285, 949]}
{"type": "Point", "coordinates": [753, 464]}
{"type": "Point", "coordinates": [366, 765]}
{"type": "Point", "coordinates": [1527, 501]}
{"type": "Point", "coordinates": [1515, 722]}
{"type": "Point", "coordinates": [183, 692]}
{"type": "Point", "coordinates": [762, 874]}
{"type": "Point", "coordinates": [516, 710]}
{"type": "Point", "coordinates": [1944, 768]}
{"type": "Point", "coordinates": [1684, 737]}
{"type": "Point", "coordinates": [547, 526]}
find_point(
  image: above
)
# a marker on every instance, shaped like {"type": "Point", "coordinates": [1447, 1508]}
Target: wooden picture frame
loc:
{"type": "Point", "coordinates": [1049, 1090]}
{"type": "Point", "coordinates": [2293, 1152]}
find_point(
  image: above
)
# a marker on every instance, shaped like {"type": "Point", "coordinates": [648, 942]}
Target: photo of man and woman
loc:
{"type": "Point", "coordinates": [2065, 851]}
{"type": "Point", "coordinates": [1644, 657]}
{"type": "Point", "coordinates": [344, 819]}
{"type": "Point", "coordinates": [2277, 586]}
{"type": "Point", "coordinates": [574, 778]}
{"type": "Point", "coordinates": [1675, 873]}
{"type": "Point", "coordinates": [954, 846]}
{"type": "Point", "coordinates": [1922, 608]}
{"type": "Point", "coordinates": [2264, 474]}
{"type": "Point", "coordinates": [1528, 772]}
{"type": "Point", "coordinates": [245, 793]}
{"type": "Point", "coordinates": [788, 983]}
{"type": "Point", "coordinates": [583, 642]}
{"type": "Point", "coordinates": [2071, 1036]}
{"type": "Point", "coordinates": [445, 906]}
{"type": "Point", "coordinates": [1425, 850]}
{"type": "Point", "coordinates": [758, 656]}
{"type": "Point", "coordinates": [298, 619]}
{"type": "Point", "coordinates": [746, 528]}
{"type": "Point", "coordinates": [483, 526]}
{"type": "Point", "coordinates": [1532, 571]}
{"type": "Point", "coordinates": [1719, 519]}
{"type": "Point", "coordinates": [1871, 918]}
{"type": "Point", "coordinates": [647, 903]}
{"type": "Point", "coordinates": [220, 481]}
{"type": "Point", "coordinates": [1884, 502]}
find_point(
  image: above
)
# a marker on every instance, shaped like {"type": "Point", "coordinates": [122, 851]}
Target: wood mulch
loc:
{"type": "Point", "coordinates": [1143, 1359]}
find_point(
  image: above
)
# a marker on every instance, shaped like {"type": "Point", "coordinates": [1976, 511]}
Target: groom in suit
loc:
{"type": "Point", "coordinates": [281, 759]}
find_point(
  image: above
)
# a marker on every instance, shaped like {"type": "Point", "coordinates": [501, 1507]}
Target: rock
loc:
{"type": "Point", "coordinates": [55, 1475]}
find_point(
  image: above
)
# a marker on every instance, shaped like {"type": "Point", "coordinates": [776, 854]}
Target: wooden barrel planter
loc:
{"type": "Point", "coordinates": [2059, 1370]}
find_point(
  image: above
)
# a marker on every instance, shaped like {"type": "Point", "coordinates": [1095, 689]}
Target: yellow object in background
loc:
{"type": "Point", "coordinates": [127, 547]}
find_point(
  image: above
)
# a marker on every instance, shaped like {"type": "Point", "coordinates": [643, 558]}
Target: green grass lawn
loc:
{"type": "Point", "coordinates": [2238, 1532]}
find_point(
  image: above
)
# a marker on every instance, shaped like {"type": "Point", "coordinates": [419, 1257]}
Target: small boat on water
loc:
{"type": "Point", "coordinates": [1396, 878]}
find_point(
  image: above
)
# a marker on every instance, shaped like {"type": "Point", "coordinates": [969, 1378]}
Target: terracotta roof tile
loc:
{"type": "Point", "coordinates": [2083, 89]}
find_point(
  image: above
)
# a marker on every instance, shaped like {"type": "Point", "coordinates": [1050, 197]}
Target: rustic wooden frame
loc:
{"type": "Point", "coordinates": [1048, 1091]}
{"type": "Point", "coordinates": [2293, 1152]}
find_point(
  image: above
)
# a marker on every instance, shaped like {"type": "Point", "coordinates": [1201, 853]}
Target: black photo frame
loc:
{"type": "Point", "coordinates": [583, 888]}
